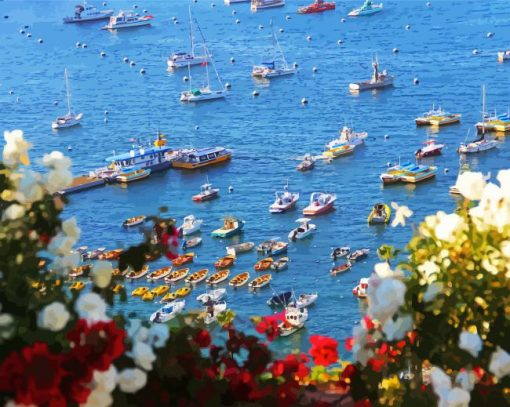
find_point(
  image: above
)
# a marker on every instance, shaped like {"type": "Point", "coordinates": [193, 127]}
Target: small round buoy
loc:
{"type": "Point", "coordinates": [142, 71]}
{"type": "Point", "coordinates": [388, 164]}
{"type": "Point", "coordinates": [314, 69]}
{"type": "Point", "coordinates": [78, 44]}
{"type": "Point", "coordinates": [261, 27]}
{"type": "Point", "coordinates": [234, 12]}
{"type": "Point", "coordinates": [238, 21]}
{"type": "Point", "coordinates": [304, 101]}
{"type": "Point", "coordinates": [185, 79]}
{"type": "Point", "coordinates": [213, 5]}
{"type": "Point", "coordinates": [132, 63]}
{"type": "Point", "coordinates": [104, 3]}
{"type": "Point", "coordinates": [11, 92]}
{"type": "Point", "coordinates": [69, 148]}
{"type": "Point", "coordinates": [105, 120]}
{"type": "Point", "coordinates": [232, 60]}
{"type": "Point", "coordinates": [145, 10]}
{"type": "Point", "coordinates": [84, 46]}
{"type": "Point", "coordinates": [103, 54]}
{"type": "Point", "coordinates": [135, 5]}
{"type": "Point", "coordinates": [55, 103]}
{"type": "Point", "coordinates": [281, 30]}
{"type": "Point", "coordinates": [230, 189]}
{"type": "Point", "coordinates": [309, 38]}
{"type": "Point", "coordinates": [288, 17]}
{"type": "Point", "coordinates": [22, 31]}
{"type": "Point", "coordinates": [490, 34]}
{"type": "Point", "coordinates": [176, 22]}
{"type": "Point", "coordinates": [195, 1]}
{"type": "Point", "coordinates": [395, 50]}
{"type": "Point", "coordinates": [428, 4]}
{"type": "Point", "coordinates": [197, 127]}
{"type": "Point", "coordinates": [26, 27]}
{"type": "Point", "coordinates": [29, 35]}
{"type": "Point", "coordinates": [408, 27]}
{"type": "Point", "coordinates": [228, 85]}
{"type": "Point", "coordinates": [475, 52]}
{"type": "Point", "coordinates": [106, 112]}
{"type": "Point", "coordinates": [295, 65]}
{"type": "Point", "coordinates": [416, 81]}
{"type": "Point", "coordinates": [340, 42]}
{"type": "Point", "coordinates": [386, 136]}
{"type": "Point", "coordinates": [18, 99]}
{"type": "Point", "coordinates": [343, 20]}
{"type": "Point", "coordinates": [6, 17]}
{"type": "Point", "coordinates": [125, 59]}
{"type": "Point", "coordinates": [255, 93]}
{"type": "Point", "coordinates": [446, 170]}
{"type": "Point", "coordinates": [40, 40]}
{"type": "Point", "coordinates": [174, 18]}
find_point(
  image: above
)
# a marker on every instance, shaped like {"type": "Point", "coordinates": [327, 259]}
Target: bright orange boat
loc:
{"type": "Point", "coordinates": [111, 254]}
{"type": "Point", "coordinates": [183, 259]}
{"type": "Point", "coordinates": [239, 280]}
{"type": "Point", "coordinates": [263, 264]}
{"type": "Point", "coordinates": [318, 6]}
{"type": "Point", "coordinates": [160, 273]}
{"type": "Point", "coordinates": [218, 277]}
{"type": "Point", "coordinates": [225, 262]}
{"type": "Point", "coordinates": [197, 277]}
{"type": "Point", "coordinates": [176, 275]}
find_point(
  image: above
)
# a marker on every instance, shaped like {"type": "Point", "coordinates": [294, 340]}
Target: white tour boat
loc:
{"type": "Point", "coordinates": [304, 229]}
{"type": "Point", "coordinates": [127, 19]}
{"type": "Point", "coordinates": [191, 225]}
{"type": "Point", "coordinates": [295, 319]}
{"type": "Point", "coordinates": [168, 312]}
{"type": "Point", "coordinates": [87, 12]}
{"type": "Point", "coordinates": [70, 118]}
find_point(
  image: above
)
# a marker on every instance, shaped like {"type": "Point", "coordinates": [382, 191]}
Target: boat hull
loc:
{"type": "Point", "coordinates": [128, 25]}
{"type": "Point", "coordinates": [124, 179]}
{"type": "Point", "coordinates": [103, 16]}
{"type": "Point", "coordinates": [316, 9]}
{"type": "Point", "coordinates": [313, 211]}
{"type": "Point", "coordinates": [183, 63]}
{"type": "Point", "coordinates": [226, 233]}
{"type": "Point", "coordinates": [361, 86]}
{"type": "Point", "coordinates": [204, 198]}
{"type": "Point", "coordinates": [192, 166]}
{"type": "Point", "coordinates": [213, 95]}
{"type": "Point", "coordinates": [255, 6]}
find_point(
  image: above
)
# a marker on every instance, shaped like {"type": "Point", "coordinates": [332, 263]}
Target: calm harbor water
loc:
{"type": "Point", "coordinates": [266, 133]}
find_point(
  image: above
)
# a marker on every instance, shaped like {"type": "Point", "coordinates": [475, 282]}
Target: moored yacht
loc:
{"type": "Point", "coordinates": [70, 119]}
{"type": "Point", "coordinates": [263, 4]}
{"type": "Point", "coordinates": [87, 12]}
{"type": "Point", "coordinates": [127, 19]}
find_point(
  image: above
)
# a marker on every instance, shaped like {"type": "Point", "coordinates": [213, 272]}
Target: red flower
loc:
{"type": "Point", "coordinates": [33, 377]}
{"type": "Point", "coordinates": [292, 367]}
{"type": "Point", "coordinates": [349, 343]}
{"type": "Point", "coordinates": [203, 338]}
{"type": "Point", "coordinates": [363, 403]}
{"type": "Point", "coordinates": [268, 326]}
{"type": "Point", "coordinates": [376, 364]}
{"type": "Point", "coordinates": [369, 324]}
{"type": "Point", "coordinates": [324, 350]}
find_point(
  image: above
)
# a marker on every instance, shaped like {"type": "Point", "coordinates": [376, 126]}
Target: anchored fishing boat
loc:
{"type": "Point", "coordinates": [277, 66]}
{"type": "Point", "coordinates": [87, 12]}
{"type": "Point", "coordinates": [263, 4]}
{"type": "Point", "coordinates": [367, 9]}
{"type": "Point", "coordinates": [132, 174]}
{"type": "Point", "coordinates": [218, 277]}
{"type": "Point", "coordinates": [431, 148]}
{"type": "Point", "coordinates": [320, 203]}
{"type": "Point", "coordinates": [307, 164]}
{"type": "Point", "coordinates": [264, 264]}
{"type": "Point", "coordinates": [127, 19]}
{"type": "Point", "coordinates": [70, 119]}
{"type": "Point", "coordinates": [295, 319]}
{"type": "Point", "coordinates": [197, 277]}
{"type": "Point", "coordinates": [190, 225]}
{"type": "Point", "coordinates": [318, 6]}
{"type": "Point", "coordinates": [135, 275]}
{"type": "Point", "coordinates": [160, 273]}
{"type": "Point", "coordinates": [177, 275]}
{"type": "Point", "coordinates": [168, 312]}
{"type": "Point", "coordinates": [236, 249]}
{"type": "Point", "coordinates": [190, 159]}
{"type": "Point", "coordinates": [225, 262]}
{"type": "Point", "coordinates": [207, 192]}
{"type": "Point", "coordinates": [304, 229]}
{"type": "Point", "coordinates": [380, 214]}
{"type": "Point", "coordinates": [342, 268]}
{"type": "Point", "coordinates": [378, 80]}
{"type": "Point", "coordinates": [184, 59]}
{"type": "Point", "coordinates": [231, 226]}
{"type": "Point", "coordinates": [183, 259]}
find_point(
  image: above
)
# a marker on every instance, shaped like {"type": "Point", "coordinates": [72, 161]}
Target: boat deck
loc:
{"type": "Point", "coordinates": [82, 183]}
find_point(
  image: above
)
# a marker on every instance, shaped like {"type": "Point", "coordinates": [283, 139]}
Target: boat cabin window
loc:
{"type": "Point", "coordinates": [211, 156]}
{"type": "Point", "coordinates": [203, 158]}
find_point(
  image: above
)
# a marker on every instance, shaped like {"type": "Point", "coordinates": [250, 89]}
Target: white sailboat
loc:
{"type": "Point", "coordinates": [183, 59]}
{"type": "Point", "coordinates": [70, 119]}
{"type": "Point", "coordinates": [278, 66]}
{"type": "Point", "coordinates": [205, 92]}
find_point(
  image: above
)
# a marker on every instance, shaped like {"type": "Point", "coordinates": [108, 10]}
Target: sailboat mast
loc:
{"type": "Point", "coordinates": [209, 58]}
{"type": "Point", "coordinates": [68, 93]}
{"type": "Point", "coordinates": [483, 110]}
{"type": "Point", "coordinates": [277, 46]}
{"type": "Point", "coordinates": [191, 32]}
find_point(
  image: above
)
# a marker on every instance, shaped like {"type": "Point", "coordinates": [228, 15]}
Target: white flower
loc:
{"type": "Point", "coordinates": [6, 326]}
{"type": "Point", "coordinates": [504, 181]}
{"type": "Point", "coordinates": [500, 363]}
{"type": "Point", "coordinates": [28, 187]}
{"type": "Point", "coordinates": [56, 160]}
{"type": "Point", "coordinates": [385, 297]}
{"type": "Point", "coordinates": [71, 229]}
{"type": "Point", "coordinates": [102, 273]}
{"type": "Point", "coordinates": [13, 212]}
{"type": "Point", "coordinates": [383, 270]}
{"type": "Point", "coordinates": [470, 342]}
{"type": "Point", "coordinates": [98, 398]}
{"type": "Point", "coordinates": [53, 317]}
{"type": "Point", "coordinates": [143, 355]}
{"type": "Point", "coordinates": [430, 270]}
{"type": "Point", "coordinates": [448, 226]}
{"type": "Point", "coordinates": [401, 213]}
{"type": "Point", "coordinates": [16, 148]}
{"type": "Point", "coordinates": [396, 329]}
{"type": "Point", "coordinates": [102, 385]}
{"type": "Point", "coordinates": [360, 351]}
{"type": "Point", "coordinates": [432, 291]}
{"type": "Point", "coordinates": [457, 397]}
{"type": "Point", "coordinates": [64, 263]}
{"type": "Point", "coordinates": [471, 185]}
{"type": "Point", "coordinates": [91, 307]}
{"type": "Point", "coordinates": [440, 380]}
{"type": "Point", "coordinates": [505, 248]}
{"type": "Point", "coordinates": [61, 244]}
{"type": "Point", "coordinates": [57, 180]}
{"type": "Point", "coordinates": [131, 380]}
{"type": "Point", "coordinates": [466, 380]}
{"type": "Point", "coordinates": [158, 335]}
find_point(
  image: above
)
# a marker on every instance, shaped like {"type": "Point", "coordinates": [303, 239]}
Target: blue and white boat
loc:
{"type": "Point", "coordinates": [367, 9]}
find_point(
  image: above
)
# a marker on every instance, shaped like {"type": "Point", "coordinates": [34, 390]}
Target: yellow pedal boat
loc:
{"type": "Point", "coordinates": [183, 292]}
{"type": "Point", "coordinates": [77, 286]}
{"type": "Point", "coordinates": [148, 296]}
{"type": "Point", "coordinates": [160, 290]}
{"type": "Point", "coordinates": [138, 292]}
{"type": "Point", "coordinates": [169, 297]}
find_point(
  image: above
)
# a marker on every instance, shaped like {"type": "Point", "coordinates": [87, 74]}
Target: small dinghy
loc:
{"type": "Point", "coordinates": [218, 277]}
{"type": "Point", "coordinates": [182, 292]}
{"type": "Point", "coordinates": [307, 164]}
{"type": "Point", "coordinates": [342, 268]}
{"type": "Point", "coordinates": [264, 264]}
{"type": "Point", "coordinates": [430, 149]}
{"type": "Point", "coordinates": [137, 220]}
{"type": "Point", "coordinates": [132, 174]}
{"type": "Point", "coordinates": [279, 300]}
{"type": "Point", "coordinates": [304, 300]}
{"type": "Point", "coordinates": [160, 290]}
{"type": "Point", "coordinates": [231, 226]}
{"type": "Point", "coordinates": [177, 275]}
{"type": "Point", "coordinates": [183, 259]}
{"type": "Point", "coordinates": [110, 255]}
{"type": "Point", "coordinates": [239, 280]}
{"type": "Point", "coordinates": [148, 296]}
{"type": "Point", "coordinates": [169, 298]}
{"type": "Point", "coordinates": [236, 249]}
{"type": "Point", "coordinates": [212, 311]}
{"type": "Point", "coordinates": [197, 277]}
{"type": "Point", "coordinates": [135, 275]}
{"type": "Point", "coordinates": [358, 254]}
{"type": "Point", "coordinates": [196, 241]}
{"type": "Point", "coordinates": [160, 273]}
{"type": "Point", "coordinates": [225, 262]}
{"type": "Point", "coordinates": [380, 214]}
{"type": "Point", "coordinates": [261, 281]}
{"type": "Point", "coordinates": [212, 295]}
{"type": "Point", "coordinates": [339, 252]}
{"type": "Point", "coordinates": [280, 264]}
{"type": "Point", "coordinates": [304, 229]}
{"type": "Point", "coordinates": [295, 319]}
{"type": "Point", "coordinates": [273, 247]}
{"type": "Point", "coordinates": [81, 271]}
{"type": "Point", "coordinates": [168, 312]}
{"type": "Point", "coordinates": [93, 254]}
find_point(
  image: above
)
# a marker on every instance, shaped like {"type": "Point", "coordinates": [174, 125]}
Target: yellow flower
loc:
{"type": "Point", "coordinates": [390, 383]}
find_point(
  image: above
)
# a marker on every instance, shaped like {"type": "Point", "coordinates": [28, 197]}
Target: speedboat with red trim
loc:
{"type": "Point", "coordinates": [207, 192]}
{"type": "Point", "coordinates": [318, 6]}
{"type": "Point", "coordinates": [284, 200]}
{"type": "Point", "coordinates": [430, 149]}
{"type": "Point", "coordinates": [320, 203]}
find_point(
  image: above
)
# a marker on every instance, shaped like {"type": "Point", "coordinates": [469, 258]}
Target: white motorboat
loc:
{"type": "Point", "coordinates": [295, 319]}
{"type": "Point", "coordinates": [429, 149]}
{"type": "Point", "coordinates": [168, 312]}
{"type": "Point", "coordinates": [228, 2]}
{"type": "Point", "coordinates": [305, 300]}
{"type": "Point", "coordinates": [70, 118]}
{"type": "Point", "coordinates": [503, 56]}
{"type": "Point", "coordinates": [304, 229]}
{"type": "Point", "coordinates": [477, 146]}
{"type": "Point", "coordinates": [284, 200]}
{"type": "Point", "coordinates": [87, 12]}
{"type": "Point", "coordinates": [358, 255]}
{"type": "Point", "coordinates": [204, 92]}
{"type": "Point", "coordinates": [277, 66]}
{"type": "Point", "coordinates": [340, 252]}
{"type": "Point", "coordinates": [212, 295]}
{"type": "Point", "coordinates": [378, 80]}
{"type": "Point", "coordinates": [263, 4]}
{"type": "Point", "coordinates": [190, 225]}
{"type": "Point", "coordinates": [183, 59]}
{"type": "Point", "coordinates": [348, 136]}
{"type": "Point", "coordinates": [127, 19]}
{"type": "Point", "coordinates": [212, 311]}
{"type": "Point", "coordinates": [320, 203]}
{"type": "Point", "coordinates": [239, 248]}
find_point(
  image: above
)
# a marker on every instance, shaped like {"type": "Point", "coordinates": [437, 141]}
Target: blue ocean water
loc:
{"type": "Point", "coordinates": [266, 133]}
